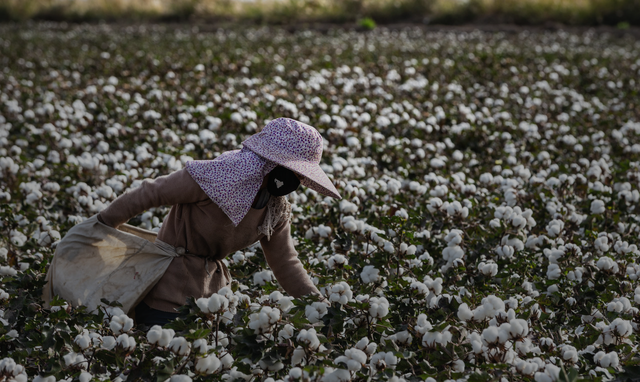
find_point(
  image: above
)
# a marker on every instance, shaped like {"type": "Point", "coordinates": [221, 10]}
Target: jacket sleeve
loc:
{"type": "Point", "coordinates": [176, 188]}
{"type": "Point", "coordinates": [283, 261]}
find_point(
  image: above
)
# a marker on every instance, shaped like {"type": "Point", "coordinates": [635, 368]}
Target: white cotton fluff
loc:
{"type": "Point", "coordinates": [619, 305]}
{"type": "Point", "coordinates": [159, 336]}
{"type": "Point", "coordinates": [17, 238]}
{"type": "Point", "coordinates": [402, 213]}
{"type": "Point", "coordinates": [353, 358]}
{"type": "Point", "coordinates": [597, 207]}
{"type": "Point", "coordinates": [200, 346]}
{"type": "Point", "coordinates": [126, 342]}
{"type": "Point", "coordinates": [74, 359]}
{"type": "Point", "coordinates": [553, 272]}
{"type": "Point", "coordinates": [456, 209]}
{"type": "Point", "coordinates": [83, 340]}
{"type": "Point", "coordinates": [351, 224]}
{"type": "Point", "coordinates": [526, 367]}
{"type": "Point", "coordinates": [180, 378]}
{"type": "Point", "coordinates": [85, 377]}
{"type": "Point", "coordinates": [286, 303]}
{"type": "Point", "coordinates": [366, 346]}
{"type": "Point", "coordinates": [431, 339]}
{"type": "Point", "coordinates": [208, 365]}
{"type": "Point", "coordinates": [347, 207]}
{"type": "Point", "coordinates": [491, 305]}
{"type": "Point", "coordinates": [606, 359]}
{"type": "Point", "coordinates": [180, 346]}
{"type": "Point", "coordinates": [40, 378]}
{"type": "Point", "coordinates": [378, 307]}
{"type": "Point", "coordinates": [381, 361]}
{"type": "Point", "coordinates": [370, 274]}
{"type": "Point", "coordinates": [505, 251]}
{"type": "Point", "coordinates": [602, 244]}
{"type": "Point", "coordinates": [489, 268]}
{"type": "Point", "coordinates": [569, 353]}
{"type": "Point", "coordinates": [315, 311]}
{"type": "Point", "coordinates": [261, 278]}
{"type": "Point", "coordinates": [434, 205]}
{"type": "Point", "coordinates": [555, 227]}
{"type": "Point", "coordinates": [464, 313]}
{"type": "Point", "coordinates": [308, 339]}
{"type": "Point", "coordinates": [262, 321]}
{"type": "Point", "coordinates": [340, 293]}
{"type": "Point", "coordinates": [607, 265]}
{"type": "Point", "coordinates": [298, 356]}
{"type": "Point", "coordinates": [216, 304]}
{"type": "Point", "coordinates": [121, 324]}
{"type": "Point", "coordinates": [518, 329]}
{"type": "Point", "coordinates": [420, 289]}
{"type": "Point", "coordinates": [551, 373]}
{"type": "Point", "coordinates": [336, 261]}
{"type": "Point", "coordinates": [13, 371]}
{"type": "Point", "coordinates": [108, 342]}
{"type": "Point", "coordinates": [422, 324]}
{"type": "Point", "coordinates": [337, 375]}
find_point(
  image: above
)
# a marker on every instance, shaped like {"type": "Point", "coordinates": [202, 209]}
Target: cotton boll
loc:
{"type": "Point", "coordinates": [569, 353]}
{"type": "Point", "coordinates": [180, 378]}
{"type": "Point", "coordinates": [217, 304]}
{"type": "Point", "coordinates": [597, 207]}
{"type": "Point", "coordinates": [555, 227]}
{"type": "Point", "coordinates": [353, 358]}
{"type": "Point", "coordinates": [519, 329]}
{"type": "Point", "coordinates": [159, 336]}
{"type": "Point", "coordinates": [309, 339]}
{"type": "Point", "coordinates": [423, 325]}
{"type": "Point", "coordinates": [606, 359]}
{"type": "Point", "coordinates": [180, 346]}
{"type": "Point", "coordinates": [200, 346]}
{"type": "Point", "coordinates": [464, 313]}
{"type": "Point", "coordinates": [607, 265]}
{"type": "Point", "coordinates": [261, 278]}
{"type": "Point", "coordinates": [378, 307]}
{"type": "Point", "coordinates": [338, 375]}
{"type": "Point", "coordinates": [108, 342]}
{"type": "Point", "coordinates": [553, 272]}
{"type": "Point", "coordinates": [340, 293]}
{"type": "Point", "coordinates": [370, 274]}
{"type": "Point", "coordinates": [83, 340]}
{"type": "Point", "coordinates": [315, 312]}
{"type": "Point", "coordinates": [121, 324]}
{"type": "Point", "coordinates": [208, 365]}
{"type": "Point", "coordinates": [336, 261]}
{"type": "Point", "coordinates": [381, 361]}
{"type": "Point", "coordinates": [125, 342]}
{"type": "Point", "coordinates": [262, 321]}
{"type": "Point", "coordinates": [602, 244]}
{"type": "Point", "coordinates": [489, 268]}
{"type": "Point", "coordinates": [74, 359]}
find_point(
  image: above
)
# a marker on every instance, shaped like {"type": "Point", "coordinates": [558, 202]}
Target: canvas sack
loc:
{"type": "Point", "coordinates": [95, 261]}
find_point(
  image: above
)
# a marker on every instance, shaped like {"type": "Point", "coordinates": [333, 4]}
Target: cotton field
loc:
{"type": "Point", "coordinates": [488, 229]}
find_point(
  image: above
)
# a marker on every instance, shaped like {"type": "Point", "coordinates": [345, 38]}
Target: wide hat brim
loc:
{"type": "Point", "coordinates": [313, 176]}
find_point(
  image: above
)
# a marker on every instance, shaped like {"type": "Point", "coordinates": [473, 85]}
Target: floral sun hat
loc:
{"type": "Point", "coordinates": [296, 146]}
{"type": "Point", "coordinates": [233, 179]}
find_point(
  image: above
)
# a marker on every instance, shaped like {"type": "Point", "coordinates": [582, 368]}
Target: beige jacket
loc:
{"type": "Point", "coordinates": [198, 225]}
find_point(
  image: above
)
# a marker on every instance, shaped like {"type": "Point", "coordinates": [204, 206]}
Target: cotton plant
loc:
{"type": "Point", "coordinates": [486, 210]}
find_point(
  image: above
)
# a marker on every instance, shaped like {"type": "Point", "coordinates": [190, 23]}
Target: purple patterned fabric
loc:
{"type": "Point", "coordinates": [233, 179]}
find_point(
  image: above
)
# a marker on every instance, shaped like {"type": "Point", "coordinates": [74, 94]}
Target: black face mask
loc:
{"type": "Point", "coordinates": [282, 181]}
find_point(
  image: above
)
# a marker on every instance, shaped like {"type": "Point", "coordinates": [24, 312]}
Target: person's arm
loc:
{"type": "Point", "coordinates": [168, 190]}
{"type": "Point", "coordinates": [284, 263]}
